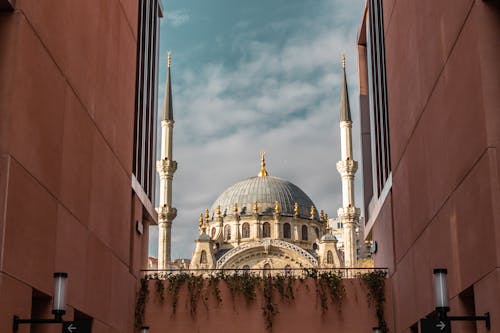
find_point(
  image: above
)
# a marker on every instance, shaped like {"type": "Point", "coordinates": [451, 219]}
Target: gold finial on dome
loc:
{"type": "Point", "coordinates": [313, 212]}
{"type": "Point", "coordinates": [296, 209]}
{"type": "Point", "coordinates": [200, 219]}
{"type": "Point", "coordinates": [322, 215]}
{"type": "Point", "coordinates": [255, 207]}
{"type": "Point", "coordinates": [207, 214]}
{"type": "Point", "coordinates": [169, 59]}
{"type": "Point", "coordinates": [235, 208]}
{"type": "Point", "coordinates": [262, 172]}
{"type": "Point", "coordinates": [217, 211]}
{"type": "Point", "coordinates": [277, 208]}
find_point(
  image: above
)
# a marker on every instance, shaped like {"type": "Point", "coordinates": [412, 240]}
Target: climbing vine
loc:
{"type": "Point", "coordinates": [375, 283]}
{"type": "Point", "coordinates": [160, 290]}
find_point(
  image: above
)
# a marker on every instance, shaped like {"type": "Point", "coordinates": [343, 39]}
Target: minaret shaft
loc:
{"type": "Point", "coordinates": [347, 167]}
{"type": "Point", "coordinates": [166, 168]}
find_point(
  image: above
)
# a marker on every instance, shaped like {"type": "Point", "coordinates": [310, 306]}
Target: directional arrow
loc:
{"type": "Point", "coordinates": [441, 325]}
{"type": "Point", "coordinates": [77, 326]}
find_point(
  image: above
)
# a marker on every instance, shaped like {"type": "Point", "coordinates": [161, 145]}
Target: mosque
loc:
{"type": "Point", "coordinates": [263, 222]}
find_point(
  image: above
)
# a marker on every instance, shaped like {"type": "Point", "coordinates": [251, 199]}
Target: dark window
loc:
{"type": "Point", "coordinates": [315, 246]}
{"type": "Point", "coordinates": [203, 257]}
{"type": "Point", "coordinates": [304, 232]}
{"type": "Point", "coordinates": [287, 232]}
{"type": "Point", "coordinates": [146, 95]}
{"type": "Point", "coordinates": [213, 232]}
{"type": "Point", "coordinates": [373, 102]}
{"type": "Point", "coordinates": [267, 270]}
{"type": "Point", "coordinates": [316, 230]}
{"type": "Point", "coordinates": [227, 232]}
{"type": "Point", "coordinates": [266, 230]}
{"type": "Point", "coordinates": [246, 268]}
{"type": "Point", "coordinates": [288, 270]}
{"type": "Point", "coordinates": [329, 257]}
{"type": "Point", "coordinates": [245, 230]}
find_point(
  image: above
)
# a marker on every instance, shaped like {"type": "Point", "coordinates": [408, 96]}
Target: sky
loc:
{"type": "Point", "coordinates": [256, 75]}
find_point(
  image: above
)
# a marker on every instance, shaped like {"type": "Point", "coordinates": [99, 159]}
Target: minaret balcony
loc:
{"type": "Point", "coordinates": [347, 167]}
{"type": "Point", "coordinates": [166, 213]}
{"type": "Point", "coordinates": [166, 166]}
{"type": "Point", "coordinates": [349, 214]}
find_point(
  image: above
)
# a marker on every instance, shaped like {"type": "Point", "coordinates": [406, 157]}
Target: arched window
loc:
{"type": "Point", "coordinates": [287, 232]}
{"type": "Point", "coordinates": [246, 268]}
{"type": "Point", "coordinates": [329, 257]}
{"type": "Point", "coordinates": [245, 230]}
{"type": "Point", "coordinates": [213, 232]}
{"type": "Point", "coordinates": [267, 270]}
{"type": "Point", "coordinates": [315, 246]}
{"type": "Point", "coordinates": [266, 230]}
{"type": "Point", "coordinates": [304, 232]}
{"type": "Point", "coordinates": [203, 257]}
{"type": "Point", "coordinates": [316, 230]}
{"type": "Point", "coordinates": [227, 232]}
{"type": "Point", "coordinates": [288, 270]}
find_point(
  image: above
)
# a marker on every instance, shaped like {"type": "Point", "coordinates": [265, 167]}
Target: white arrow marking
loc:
{"type": "Point", "coordinates": [71, 328]}
{"type": "Point", "coordinates": [441, 325]}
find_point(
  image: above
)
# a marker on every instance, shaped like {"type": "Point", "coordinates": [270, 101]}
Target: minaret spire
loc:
{"type": "Point", "coordinates": [345, 110]}
{"type": "Point", "coordinates": [347, 167]}
{"type": "Point", "coordinates": [166, 167]}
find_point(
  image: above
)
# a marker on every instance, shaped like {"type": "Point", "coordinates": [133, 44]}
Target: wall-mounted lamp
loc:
{"type": "Point", "coordinates": [442, 307]}
{"type": "Point", "coordinates": [440, 290]}
{"type": "Point", "coordinates": [59, 305]}
{"type": "Point", "coordinates": [60, 285]}
{"type": "Point", "coordinates": [377, 330]}
{"type": "Point", "coordinates": [145, 329]}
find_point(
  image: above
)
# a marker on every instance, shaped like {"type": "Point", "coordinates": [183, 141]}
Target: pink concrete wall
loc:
{"type": "Point", "coordinates": [443, 80]}
{"type": "Point", "coordinates": [303, 314]}
{"type": "Point", "coordinates": [66, 135]}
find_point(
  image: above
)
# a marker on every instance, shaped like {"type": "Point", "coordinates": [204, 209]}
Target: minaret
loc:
{"type": "Point", "coordinates": [347, 167]}
{"type": "Point", "coordinates": [166, 167]}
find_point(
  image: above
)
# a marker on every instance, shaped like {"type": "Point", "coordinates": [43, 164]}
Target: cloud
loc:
{"type": "Point", "coordinates": [177, 18]}
{"type": "Point", "coordinates": [279, 98]}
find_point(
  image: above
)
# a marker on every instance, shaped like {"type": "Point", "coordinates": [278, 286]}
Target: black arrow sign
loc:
{"type": "Point", "coordinates": [77, 326]}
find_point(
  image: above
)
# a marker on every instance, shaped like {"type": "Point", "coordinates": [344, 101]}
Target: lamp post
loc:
{"type": "Point", "coordinates": [59, 304]}
{"type": "Point", "coordinates": [145, 329]}
{"type": "Point", "coordinates": [442, 307]}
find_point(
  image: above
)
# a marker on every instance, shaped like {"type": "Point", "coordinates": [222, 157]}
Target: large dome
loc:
{"type": "Point", "coordinates": [265, 191]}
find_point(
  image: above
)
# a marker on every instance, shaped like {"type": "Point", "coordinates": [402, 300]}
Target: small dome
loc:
{"type": "Point", "coordinates": [264, 190]}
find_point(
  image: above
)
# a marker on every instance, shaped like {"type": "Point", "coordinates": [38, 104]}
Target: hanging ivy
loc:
{"type": "Point", "coordinates": [175, 282]}
{"type": "Point", "coordinates": [244, 284]}
{"type": "Point", "coordinates": [284, 285]}
{"type": "Point", "coordinates": [195, 288]}
{"type": "Point", "coordinates": [140, 305]}
{"type": "Point", "coordinates": [160, 290]}
{"type": "Point", "coordinates": [375, 283]}
{"type": "Point", "coordinates": [269, 309]}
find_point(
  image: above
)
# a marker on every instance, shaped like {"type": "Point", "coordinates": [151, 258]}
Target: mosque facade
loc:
{"type": "Point", "coordinates": [264, 222]}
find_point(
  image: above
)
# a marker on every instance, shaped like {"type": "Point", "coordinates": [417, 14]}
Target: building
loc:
{"type": "Point", "coordinates": [429, 96]}
{"type": "Point", "coordinates": [262, 222]}
{"type": "Point", "coordinates": [77, 119]}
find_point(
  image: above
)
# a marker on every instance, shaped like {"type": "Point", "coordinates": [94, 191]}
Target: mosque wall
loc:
{"type": "Point", "coordinates": [301, 314]}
